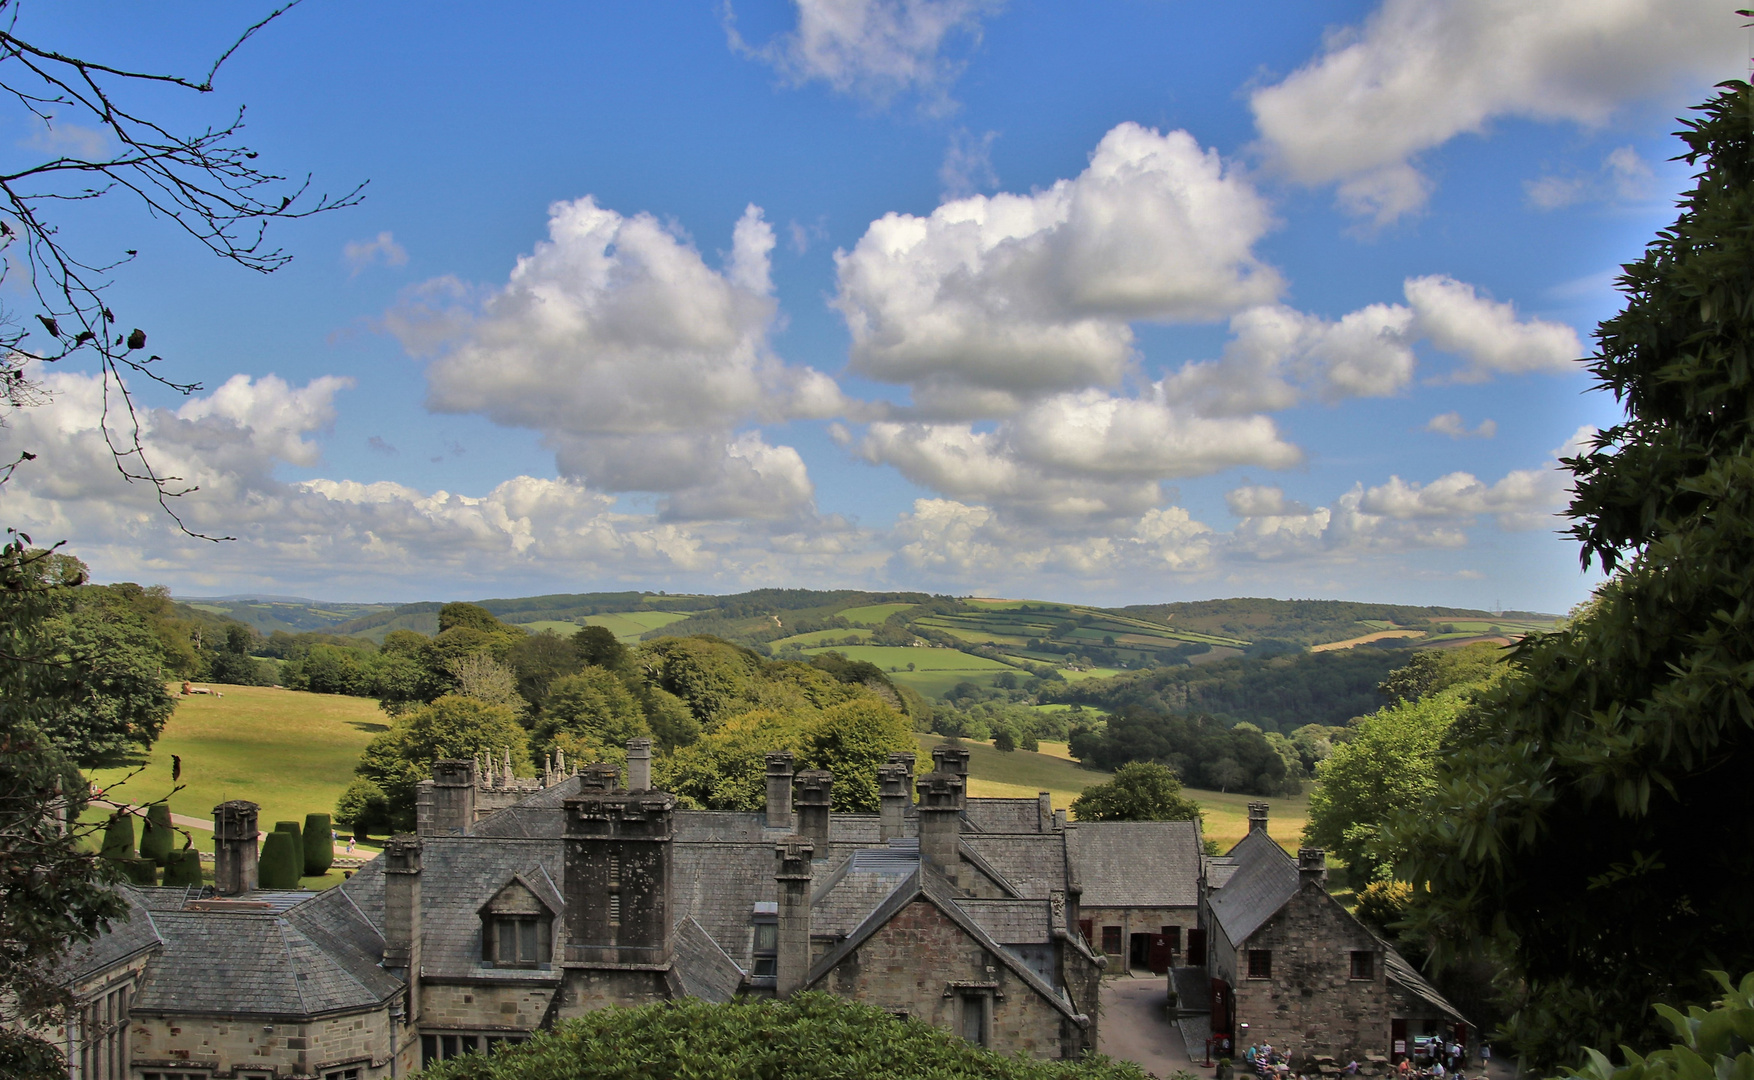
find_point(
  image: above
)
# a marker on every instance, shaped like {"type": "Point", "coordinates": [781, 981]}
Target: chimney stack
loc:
{"type": "Point", "coordinates": [446, 803]}
{"type": "Point", "coordinates": [813, 797]}
{"type": "Point", "coordinates": [1312, 868]}
{"type": "Point", "coordinates": [1044, 812]}
{"type": "Point", "coordinates": [600, 776]}
{"type": "Point", "coordinates": [234, 847]}
{"type": "Point", "coordinates": [941, 802]}
{"type": "Point", "coordinates": [1258, 817]}
{"type": "Point", "coordinates": [950, 758]}
{"type": "Point", "coordinates": [618, 881]}
{"type": "Point", "coordinates": [895, 795]}
{"type": "Point", "coordinates": [639, 764]}
{"type": "Point", "coordinates": [903, 757]}
{"type": "Point", "coordinates": [792, 857]}
{"type": "Point", "coordinates": [402, 915]}
{"type": "Point", "coordinates": [779, 790]}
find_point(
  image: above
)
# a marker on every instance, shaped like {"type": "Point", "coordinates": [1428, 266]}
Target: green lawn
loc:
{"type": "Point", "coordinates": [1024, 774]}
{"type": "Point", "coordinates": [290, 752]}
{"type": "Point", "coordinates": [564, 629]}
{"type": "Point", "coordinates": [900, 656]}
{"type": "Point", "coordinates": [629, 625]}
{"type": "Point", "coordinates": [820, 638]}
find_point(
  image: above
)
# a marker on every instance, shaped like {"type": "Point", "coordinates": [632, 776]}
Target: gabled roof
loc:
{"type": "Point", "coordinates": [926, 883]}
{"type": "Point", "coordinates": [458, 875]}
{"type": "Point", "coordinates": [1265, 880]}
{"type": "Point", "coordinates": [1136, 863]}
{"type": "Point", "coordinates": [1402, 974]}
{"type": "Point", "coordinates": [257, 965]}
{"type": "Point", "coordinates": [990, 815]}
{"type": "Point", "coordinates": [1034, 865]}
{"type": "Point", "coordinates": [706, 970]}
{"type": "Point", "coordinates": [123, 940]}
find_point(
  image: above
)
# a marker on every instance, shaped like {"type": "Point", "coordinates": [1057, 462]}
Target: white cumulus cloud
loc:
{"type": "Point", "coordinates": [1451, 424]}
{"type": "Point", "coordinates": [382, 248]}
{"type": "Point", "coordinates": [636, 360]}
{"type": "Point", "coordinates": [991, 301]}
{"type": "Point", "coordinates": [1420, 72]}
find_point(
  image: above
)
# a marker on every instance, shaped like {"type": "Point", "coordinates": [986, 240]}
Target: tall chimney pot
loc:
{"type": "Point", "coordinates": [234, 847]}
{"type": "Point", "coordinates": [792, 858]}
{"type": "Point", "coordinates": [894, 795]}
{"type": "Point", "coordinates": [402, 931]}
{"type": "Point", "coordinates": [813, 796]}
{"type": "Point", "coordinates": [639, 764]}
{"type": "Point", "coordinates": [446, 805]}
{"type": "Point", "coordinates": [1258, 816]}
{"type": "Point", "coordinates": [779, 790]}
{"type": "Point", "coordinates": [940, 808]}
{"type": "Point", "coordinates": [950, 758]}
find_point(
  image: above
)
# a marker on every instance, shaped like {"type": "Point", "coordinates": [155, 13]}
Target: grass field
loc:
{"type": "Point", "coordinates": [872, 614]}
{"type": "Point", "coordinates": [900, 656]}
{"type": "Point", "coordinates": [290, 752]}
{"type": "Point", "coordinates": [629, 625]}
{"type": "Point", "coordinates": [564, 629]}
{"type": "Point", "coordinates": [816, 639]}
{"type": "Point", "coordinates": [1021, 774]}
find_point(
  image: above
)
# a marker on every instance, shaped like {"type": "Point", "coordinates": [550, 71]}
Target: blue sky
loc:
{"type": "Point", "coordinates": [1120, 302]}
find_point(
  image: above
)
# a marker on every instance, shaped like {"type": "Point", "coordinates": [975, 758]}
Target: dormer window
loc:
{"type": "Point", "coordinates": [517, 927]}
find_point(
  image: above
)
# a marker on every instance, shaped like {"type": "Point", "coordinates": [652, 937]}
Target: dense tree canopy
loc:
{"type": "Point", "coordinates": [1592, 827]}
{"type": "Point", "coordinates": [1140, 791]}
{"type": "Point", "coordinates": [1203, 751]}
{"type": "Point", "coordinates": [451, 727]}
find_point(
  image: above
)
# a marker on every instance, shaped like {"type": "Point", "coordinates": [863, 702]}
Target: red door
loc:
{"type": "Point", "coordinates": [1160, 954]}
{"type": "Point", "coordinates": [1197, 948]}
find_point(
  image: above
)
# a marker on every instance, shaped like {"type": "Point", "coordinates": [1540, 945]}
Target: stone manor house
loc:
{"type": "Point", "coordinates": [519, 903]}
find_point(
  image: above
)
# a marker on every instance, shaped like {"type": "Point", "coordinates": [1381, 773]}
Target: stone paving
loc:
{"type": "Point", "coordinates": [1136, 1028]}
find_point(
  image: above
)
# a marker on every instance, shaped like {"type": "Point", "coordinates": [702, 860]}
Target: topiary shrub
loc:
{"type": "Point", "coordinates": [142, 872]}
{"type": "Point", "coordinates": [156, 840]}
{"type": "Point", "coordinates": [319, 837]}
{"type": "Point", "coordinates": [119, 837]}
{"type": "Point", "coordinates": [183, 867]}
{"type": "Point", "coordinates": [281, 861]}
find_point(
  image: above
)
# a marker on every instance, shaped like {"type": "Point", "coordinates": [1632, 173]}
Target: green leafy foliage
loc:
{"type": "Point", "coordinates": [278, 865]}
{"type": "Point", "coordinates": [1205, 751]}
{"type": "Point", "coordinates": [813, 1034]}
{"type": "Point", "coordinates": [1140, 791]}
{"type": "Point", "coordinates": [319, 844]}
{"type": "Point", "coordinates": [157, 837]}
{"type": "Point", "coordinates": [1591, 826]}
{"type": "Point", "coordinates": [451, 727]}
{"type": "Point", "coordinates": [183, 868]}
{"type": "Point", "coordinates": [365, 807]}
{"type": "Point", "coordinates": [590, 716]}
{"type": "Point", "coordinates": [1706, 1044]}
{"type": "Point", "coordinates": [119, 836]}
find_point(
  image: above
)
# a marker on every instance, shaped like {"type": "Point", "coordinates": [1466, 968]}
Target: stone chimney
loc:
{"type": "Point", "coordinates": [599, 776]}
{"type": "Point", "coordinates": [618, 882]}
{"type": "Point", "coordinates": [813, 796]}
{"type": "Point", "coordinates": [1059, 821]}
{"type": "Point", "coordinates": [234, 847]}
{"type": "Point", "coordinates": [950, 758]}
{"type": "Point", "coordinates": [1258, 817]}
{"type": "Point", "coordinates": [446, 804]}
{"type": "Point", "coordinates": [1044, 813]}
{"type": "Point", "coordinates": [941, 802]}
{"type": "Point", "coordinates": [1312, 868]}
{"type": "Point", "coordinates": [402, 915]}
{"type": "Point", "coordinates": [639, 764]}
{"type": "Point", "coordinates": [895, 794]}
{"type": "Point", "coordinates": [903, 757]}
{"type": "Point", "coordinates": [779, 790]}
{"type": "Point", "coordinates": [792, 857]}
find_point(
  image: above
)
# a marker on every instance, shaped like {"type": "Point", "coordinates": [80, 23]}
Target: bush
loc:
{"type": "Point", "coordinates": [142, 872]}
{"type": "Point", "coordinates": [183, 867]}
{"type": "Point", "coordinates": [760, 1038]}
{"type": "Point", "coordinates": [365, 807]}
{"type": "Point", "coordinates": [319, 837]}
{"type": "Point", "coordinates": [119, 837]}
{"type": "Point", "coordinates": [156, 842]}
{"type": "Point", "coordinates": [1707, 1043]}
{"type": "Point", "coordinates": [280, 862]}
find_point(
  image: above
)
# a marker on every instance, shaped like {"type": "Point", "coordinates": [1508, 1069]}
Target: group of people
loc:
{"type": "Point", "coordinates": [1433, 1059]}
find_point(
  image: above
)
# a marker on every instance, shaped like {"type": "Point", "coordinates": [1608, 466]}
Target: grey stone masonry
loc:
{"type": "Point", "coordinates": [618, 878]}
{"type": "Point", "coordinates": [402, 931]}
{"type": "Point", "coordinates": [792, 857]}
{"type": "Point", "coordinates": [779, 790]}
{"type": "Point", "coordinates": [813, 795]}
{"type": "Point", "coordinates": [234, 847]}
{"type": "Point", "coordinates": [950, 758]}
{"type": "Point", "coordinates": [639, 764]}
{"type": "Point", "coordinates": [446, 806]}
{"type": "Point", "coordinates": [1258, 816]}
{"type": "Point", "coordinates": [895, 784]}
{"type": "Point", "coordinates": [600, 776]}
{"type": "Point", "coordinates": [941, 805]}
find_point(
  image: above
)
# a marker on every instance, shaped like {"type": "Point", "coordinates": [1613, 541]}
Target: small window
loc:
{"type": "Point", "coordinates": [520, 941]}
{"type": "Point", "coordinates": [1363, 965]}
{"type": "Point", "coordinates": [764, 956]}
{"type": "Point", "coordinates": [1111, 940]}
{"type": "Point", "coordinates": [342, 1074]}
{"type": "Point", "coordinates": [974, 1018]}
{"type": "Point", "coordinates": [1260, 963]}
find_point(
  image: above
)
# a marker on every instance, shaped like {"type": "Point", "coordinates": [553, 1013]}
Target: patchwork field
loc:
{"type": "Point", "coordinates": [288, 751]}
{"type": "Point", "coordinates": [627, 626]}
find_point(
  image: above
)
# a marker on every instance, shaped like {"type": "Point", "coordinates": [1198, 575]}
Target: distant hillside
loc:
{"type": "Point", "coordinates": [268, 614]}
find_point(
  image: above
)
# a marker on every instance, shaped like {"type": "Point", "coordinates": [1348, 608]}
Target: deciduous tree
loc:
{"type": "Point", "coordinates": [1140, 791]}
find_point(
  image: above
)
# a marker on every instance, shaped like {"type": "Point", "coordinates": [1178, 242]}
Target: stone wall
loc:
{"type": "Point", "coordinates": [226, 1047]}
{"type": "Point", "coordinates": [1311, 1005]}
{"type": "Point", "coordinates": [1137, 920]}
{"type": "Point", "coordinates": [512, 1008]}
{"type": "Point", "coordinates": [921, 963]}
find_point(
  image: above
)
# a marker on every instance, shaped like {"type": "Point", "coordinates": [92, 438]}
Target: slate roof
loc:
{"type": "Point", "coordinates": [1034, 865]}
{"type": "Point", "coordinates": [257, 965]}
{"type": "Point", "coordinates": [123, 940]}
{"type": "Point", "coordinates": [1265, 878]}
{"type": "Point", "coordinates": [718, 886]}
{"type": "Point", "coordinates": [458, 875]}
{"type": "Point", "coordinates": [1219, 869]}
{"type": "Point", "coordinates": [1011, 922]}
{"type": "Point", "coordinates": [1137, 863]}
{"type": "Point", "coordinates": [1398, 971]}
{"type": "Point", "coordinates": [989, 815]}
{"type": "Point", "coordinates": [707, 971]}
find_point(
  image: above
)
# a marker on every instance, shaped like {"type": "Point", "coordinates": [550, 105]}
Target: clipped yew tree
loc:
{"type": "Point", "coordinates": [183, 867]}
{"type": "Point", "coordinates": [157, 838]}
{"type": "Point", "coordinates": [118, 837]}
{"type": "Point", "coordinates": [813, 1034]}
{"type": "Point", "coordinates": [319, 841]}
{"type": "Point", "coordinates": [282, 858]}
{"type": "Point", "coordinates": [1591, 826]}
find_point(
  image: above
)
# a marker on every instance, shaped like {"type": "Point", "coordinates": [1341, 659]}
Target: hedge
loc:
{"type": "Point", "coordinates": [183, 867]}
{"type": "Point", "coordinates": [119, 837]}
{"type": "Point", "coordinates": [319, 837]}
{"type": "Point", "coordinates": [280, 862]}
{"type": "Point", "coordinates": [156, 841]}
